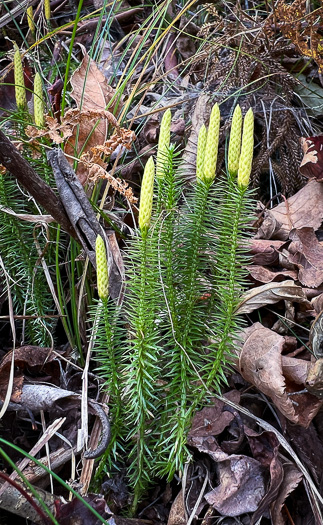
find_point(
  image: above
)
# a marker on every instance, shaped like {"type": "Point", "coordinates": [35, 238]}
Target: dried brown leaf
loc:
{"type": "Point", "coordinates": [91, 92]}
{"type": "Point", "coordinates": [271, 293]}
{"type": "Point", "coordinates": [261, 364]}
{"type": "Point", "coordinates": [212, 420]}
{"type": "Point", "coordinates": [304, 209]}
{"type": "Point", "coordinates": [265, 252]}
{"type": "Point", "coordinates": [241, 488]}
{"type": "Point", "coordinates": [308, 256]}
{"type": "Point", "coordinates": [177, 514]}
{"type": "Point", "coordinates": [265, 275]}
{"type": "Point", "coordinates": [292, 478]}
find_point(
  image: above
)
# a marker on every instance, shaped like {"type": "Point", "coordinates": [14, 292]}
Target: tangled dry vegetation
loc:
{"type": "Point", "coordinates": [109, 72]}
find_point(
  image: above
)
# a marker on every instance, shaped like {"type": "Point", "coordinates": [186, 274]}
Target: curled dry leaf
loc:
{"type": "Point", "coordinates": [265, 252]}
{"type": "Point", "coordinates": [178, 514]}
{"type": "Point", "coordinates": [261, 364]}
{"type": "Point", "coordinates": [269, 294]}
{"type": "Point", "coordinates": [292, 478]}
{"type": "Point", "coordinates": [212, 420]}
{"type": "Point", "coordinates": [314, 379]}
{"type": "Point", "coordinates": [241, 486]}
{"type": "Point", "coordinates": [264, 447]}
{"type": "Point", "coordinates": [308, 256]}
{"type": "Point", "coordinates": [58, 132]}
{"type": "Point", "coordinates": [34, 358]}
{"type": "Point", "coordinates": [91, 92]}
{"type": "Point", "coordinates": [265, 275]}
{"type": "Point", "coordinates": [42, 397]}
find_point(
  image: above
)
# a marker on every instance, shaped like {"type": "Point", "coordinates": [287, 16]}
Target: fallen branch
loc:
{"type": "Point", "coordinates": [26, 175]}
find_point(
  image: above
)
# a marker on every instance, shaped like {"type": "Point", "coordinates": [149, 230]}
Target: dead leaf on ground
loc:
{"type": "Point", "coordinates": [314, 379]}
{"type": "Point", "coordinates": [241, 486]}
{"type": "Point", "coordinates": [271, 293]}
{"type": "Point", "coordinates": [91, 91]}
{"type": "Point", "coordinates": [312, 163]}
{"type": "Point", "coordinates": [316, 336]}
{"type": "Point", "coordinates": [266, 275]}
{"type": "Point", "coordinates": [208, 445]}
{"type": "Point", "coordinates": [177, 514]}
{"type": "Point", "coordinates": [212, 420]}
{"type": "Point", "coordinates": [264, 251]}
{"type": "Point", "coordinates": [58, 132]}
{"type": "Point", "coordinates": [308, 256]}
{"type": "Point", "coordinates": [260, 364]}
{"type": "Point", "coordinates": [304, 209]}
{"type": "Point", "coordinates": [291, 480]}
{"type": "Point", "coordinates": [264, 447]}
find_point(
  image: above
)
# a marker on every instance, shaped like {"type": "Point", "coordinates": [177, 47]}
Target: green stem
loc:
{"type": "Point", "coordinates": [144, 364]}
{"type": "Point", "coordinates": [183, 344]}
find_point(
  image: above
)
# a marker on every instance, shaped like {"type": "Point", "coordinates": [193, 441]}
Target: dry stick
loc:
{"type": "Point", "coordinates": [26, 175]}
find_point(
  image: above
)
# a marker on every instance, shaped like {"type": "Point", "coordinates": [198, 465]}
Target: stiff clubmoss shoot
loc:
{"type": "Point", "coordinates": [38, 101]}
{"type": "Point", "coordinates": [47, 10]}
{"type": "Point", "coordinates": [101, 268]}
{"type": "Point", "coordinates": [20, 89]}
{"type": "Point", "coordinates": [201, 143]}
{"type": "Point", "coordinates": [30, 19]}
{"type": "Point", "coordinates": [245, 162]}
{"type": "Point", "coordinates": [163, 143]}
{"type": "Point", "coordinates": [146, 195]}
{"type": "Point", "coordinates": [235, 142]}
{"type": "Point", "coordinates": [212, 144]}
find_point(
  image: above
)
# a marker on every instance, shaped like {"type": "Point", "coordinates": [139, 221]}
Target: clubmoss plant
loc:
{"type": "Point", "coordinates": [108, 351]}
{"type": "Point", "coordinates": [184, 278]}
{"type": "Point", "coordinates": [245, 161]}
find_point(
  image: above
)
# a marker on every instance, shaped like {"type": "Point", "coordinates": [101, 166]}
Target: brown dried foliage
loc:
{"type": "Point", "coordinates": [58, 132]}
{"type": "Point", "coordinates": [302, 28]}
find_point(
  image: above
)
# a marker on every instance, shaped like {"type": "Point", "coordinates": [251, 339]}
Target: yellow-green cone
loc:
{"type": "Point", "coordinates": [235, 142]}
{"type": "Point", "coordinates": [20, 90]}
{"type": "Point", "coordinates": [163, 143]}
{"type": "Point", "coordinates": [212, 143]}
{"type": "Point", "coordinates": [201, 143]}
{"type": "Point", "coordinates": [101, 268]}
{"type": "Point", "coordinates": [245, 162]}
{"type": "Point", "coordinates": [146, 194]}
{"type": "Point", "coordinates": [38, 101]}
{"type": "Point", "coordinates": [47, 9]}
{"type": "Point", "coordinates": [30, 19]}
